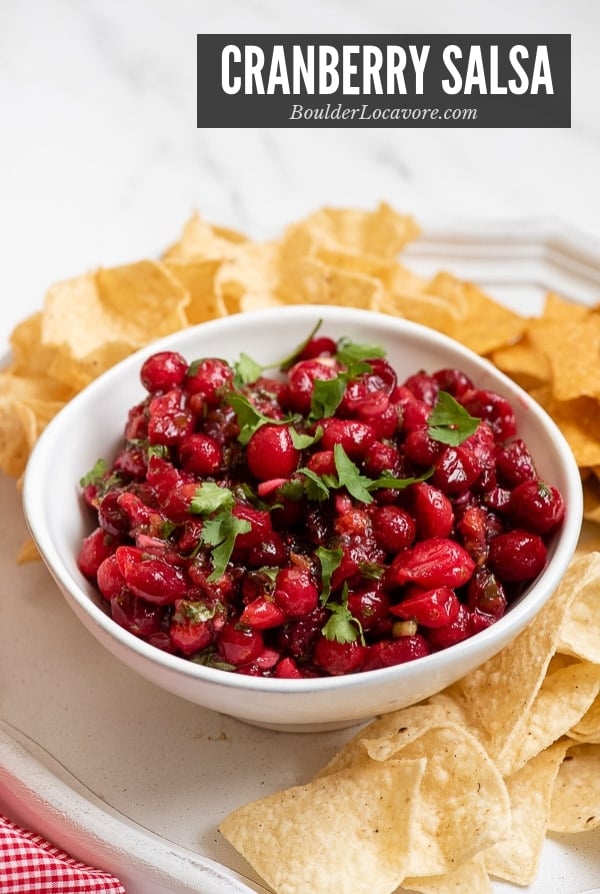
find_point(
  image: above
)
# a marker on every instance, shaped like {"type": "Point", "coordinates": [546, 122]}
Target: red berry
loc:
{"type": "Point", "coordinates": [354, 436]}
{"type": "Point", "coordinates": [433, 511]}
{"type": "Point", "coordinates": [339, 658]}
{"type": "Point", "coordinates": [295, 593]}
{"type": "Point", "coordinates": [239, 645]}
{"type": "Point", "coordinates": [455, 470]}
{"type": "Point", "coordinates": [151, 578]}
{"type": "Point", "coordinates": [211, 378]}
{"type": "Point", "coordinates": [431, 608]}
{"type": "Point", "coordinates": [495, 409]}
{"type": "Point", "coordinates": [271, 453]}
{"type": "Point", "coordinates": [301, 382]}
{"type": "Point", "coordinates": [517, 555]}
{"type": "Point", "coordinates": [262, 613]}
{"type": "Point", "coordinates": [424, 387]}
{"type": "Point", "coordinates": [320, 346]}
{"type": "Point", "coordinates": [536, 506]}
{"type": "Point", "coordinates": [453, 632]}
{"type": "Point", "coordinates": [437, 562]}
{"type": "Point", "coordinates": [369, 604]}
{"type": "Point", "coordinates": [515, 462]}
{"type": "Point", "coordinates": [394, 528]}
{"type": "Point", "coordinates": [111, 516]}
{"type": "Point", "coordinates": [200, 454]}
{"type": "Point", "coordinates": [136, 615]}
{"type": "Point", "coordinates": [95, 548]}
{"type": "Point", "coordinates": [485, 593]}
{"type": "Point", "coordinates": [287, 669]}
{"type": "Point", "coordinates": [453, 381]}
{"type": "Point", "coordinates": [110, 580]}
{"type": "Point", "coordinates": [388, 652]}
{"type": "Point", "coordinates": [190, 636]}
{"type": "Point", "coordinates": [163, 371]}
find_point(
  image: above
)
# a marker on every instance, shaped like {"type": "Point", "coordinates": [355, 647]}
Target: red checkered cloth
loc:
{"type": "Point", "coordinates": [31, 865]}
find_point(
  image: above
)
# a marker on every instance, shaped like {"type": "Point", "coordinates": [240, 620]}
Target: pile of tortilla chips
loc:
{"type": "Point", "coordinates": [441, 796]}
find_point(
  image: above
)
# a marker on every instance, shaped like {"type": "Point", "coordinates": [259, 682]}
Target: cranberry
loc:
{"type": "Point", "coordinates": [262, 613]}
{"type": "Point", "coordinates": [381, 458]}
{"type": "Point", "coordinates": [369, 604]}
{"type": "Point", "coordinates": [201, 454]}
{"type": "Point", "coordinates": [455, 470]}
{"type": "Point", "coordinates": [295, 593]}
{"type": "Point", "coordinates": [388, 652]}
{"type": "Point", "coordinates": [136, 615]}
{"type": "Point", "coordinates": [537, 506]}
{"type": "Point", "coordinates": [96, 547]}
{"type": "Point", "coordinates": [339, 658]}
{"type": "Point", "coordinates": [163, 371]}
{"type": "Point", "coordinates": [486, 594]}
{"type": "Point", "coordinates": [420, 447]}
{"type": "Point", "coordinates": [322, 463]}
{"type": "Point", "coordinates": [394, 528]}
{"type": "Point", "coordinates": [260, 525]}
{"type": "Point", "coordinates": [270, 551]}
{"type": "Point", "coordinates": [415, 412]}
{"type": "Point", "coordinates": [495, 409]}
{"type": "Point", "coordinates": [431, 608]}
{"type": "Point", "coordinates": [517, 555]}
{"type": "Point", "coordinates": [424, 387]}
{"type": "Point", "coordinates": [239, 645]}
{"type": "Point", "coordinates": [301, 381]}
{"type": "Point", "coordinates": [319, 346]}
{"type": "Point", "coordinates": [211, 378]}
{"type": "Point", "coordinates": [354, 436]}
{"type": "Point", "coordinates": [271, 453]}
{"type": "Point", "coordinates": [515, 462]}
{"type": "Point", "coordinates": [110, 580]}
{"type": "Point", "coordinates": [131, 463]}
{"type": "Point", "coordinates": [437, 562]}
{"type": "Point", "coordinates": [453, 381]}
{"type": "Point", "coordinates": [297, 637]}
{"type": "Point", "coordinates": [189, 636]}
{"type": "Point", "coordinates": [168, 422]}
{"type": "Point", "coordinates": [433, 511]}
{"type": "Point", "coordinates": [287, 669]}
{"type": "Point", "coordinates": [111, 516]}
{"type": "Point", "coordinates": [453, 632]}
{"type": "Point", "coordinates": [151, 578]}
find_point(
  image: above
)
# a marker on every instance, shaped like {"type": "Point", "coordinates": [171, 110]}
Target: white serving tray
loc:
{"type": "Point", "coordinates": [134, 780]}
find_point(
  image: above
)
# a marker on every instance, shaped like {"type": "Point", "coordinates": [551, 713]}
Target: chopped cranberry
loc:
{"type": "Point", "coordinates": [287, 669]}
{"type": "Point", "coordinates": [370, 604]}
{"type": "Point", "coordinates": [495, 409]}
{"type": "Point", "coordinates": [95, 548]}
{"type": "Point", "coordinates": [381, 458]}
{"type": "Point", "coordinates": [420, 447]}
{"type": "Point", "coordinates": [515, 462]}
{"type": "Point", "coordinates": [339, 658]}
{"type": "Point", "coordinates": [239, 645]}
{"type": "Point", "coordinates": [301, 382]}
{"type": "Point", "coordinates": [319, 346]}
{"type": "Point", "coordinates": [271, 453]}
{"type": "Point", "coordinates": [388, 652]}
{"type": "Point", "coordinates": [394, 528]}
{"type": "Point", "coordinates": [136, 615]}
{"type": "Point", "coordinates": [111, 516]}
{"type": "Point", "coordinates": [485, 593]}
{"type": "Point", "coordinates": [211, 378]}
{"type": "Point", "coordinates": [262, 613]}
{"type": "Point", "coordinates": [424, 387]}
{"type": "Point", "coordinates": [431, 608]}
{"type": "Point", "coordinates": [355, 437]}
{"type": "Point", "coordinates": [433, 511]}
{"type": "Point", "coordinates": [295, 593]}
{"type": "Point", "coordinates": [110, 580]}
{"type": "Point", "coordinates": [201, 454]}
{"type": "Point", "coordinates": [537, 506]}
{"type": "Point", "coordinates": [454, 381]}
{"type": "Point", "coordinates": [190, 636]}
{"type": "Point", "coordinates": [517, 555]}
{"type": "Point", "coordinates": [163, 371]}
{"type": "Point", "coordinates": [437, 562]}
{"type": "Point", "coordinates": [455, 470]}
{"type": "Point", "coordinates": [150, 578]}
{"type": "Point", "coordinates": [453, 632]}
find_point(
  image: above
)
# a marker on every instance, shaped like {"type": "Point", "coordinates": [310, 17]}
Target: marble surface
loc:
{"type": "Point", "coordinates": [101, 160]}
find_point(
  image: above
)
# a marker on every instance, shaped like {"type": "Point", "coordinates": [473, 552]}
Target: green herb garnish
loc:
{"type": "Point", "coordinates": [342, 626]}
{"type": "Point", "coordinates": [221, 526]}
{"type": "Point", "coordinates": [449, 423]}
{"type": "Point", "coordinates": [330, 560]}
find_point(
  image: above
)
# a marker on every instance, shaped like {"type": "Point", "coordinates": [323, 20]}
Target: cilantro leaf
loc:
{"type": "Point", "coordinates": [96, 474]}
{"type": "Point", "coordinates": [315, 486]}
{"type": "Point", "coordinates": [327, 396]}
{"type": "Point", "coordinates": [341, 625]}
{"type": "Point", "coordinates": [302, 441]}
{"type": "Point", "coordinates": [250, 418]}
{"type": "Point", "coordinates": [350, 477]}
{"type": "Point", "coordinates": [330, 560]}
{"type": "Point", "coordinates": [220, 533]}
{"type": "Point", "coordinates": [246, 370]}
{"type": "Point", "coordinates": [210, 497]}
{"type": "Point", "coordinates": [449, 423]}
{"type": "Point", "coordinates": [349, 353]}
{"type": "Point", "coordinates": [397, 483]}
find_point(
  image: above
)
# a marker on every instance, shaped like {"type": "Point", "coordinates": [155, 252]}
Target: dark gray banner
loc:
{"type": "Point", "coordinates": [346, 80]}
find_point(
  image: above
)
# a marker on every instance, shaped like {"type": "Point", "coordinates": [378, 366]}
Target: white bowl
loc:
{"type": "Point", "coordinates": [91, 425]}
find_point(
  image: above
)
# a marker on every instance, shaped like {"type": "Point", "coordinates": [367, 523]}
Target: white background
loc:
{"type": "Point", "coordinates": [101, 161]}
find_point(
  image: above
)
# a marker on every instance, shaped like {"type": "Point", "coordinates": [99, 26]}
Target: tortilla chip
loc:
{"type": "Point", "coordinates": [347, 833]}
{"type": "Point", "coordinates": [575, 803]}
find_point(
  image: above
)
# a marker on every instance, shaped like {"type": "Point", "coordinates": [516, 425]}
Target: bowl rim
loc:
{"type": "Point", "coordinates": [520, 614]}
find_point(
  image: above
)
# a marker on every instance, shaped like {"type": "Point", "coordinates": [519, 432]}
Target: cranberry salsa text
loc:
{"type": "Point", "coordinates": [326, 519]}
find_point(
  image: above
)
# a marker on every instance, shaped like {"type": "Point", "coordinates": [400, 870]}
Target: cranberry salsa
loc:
{"type": "Point", "coordinates": [323, 519]}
